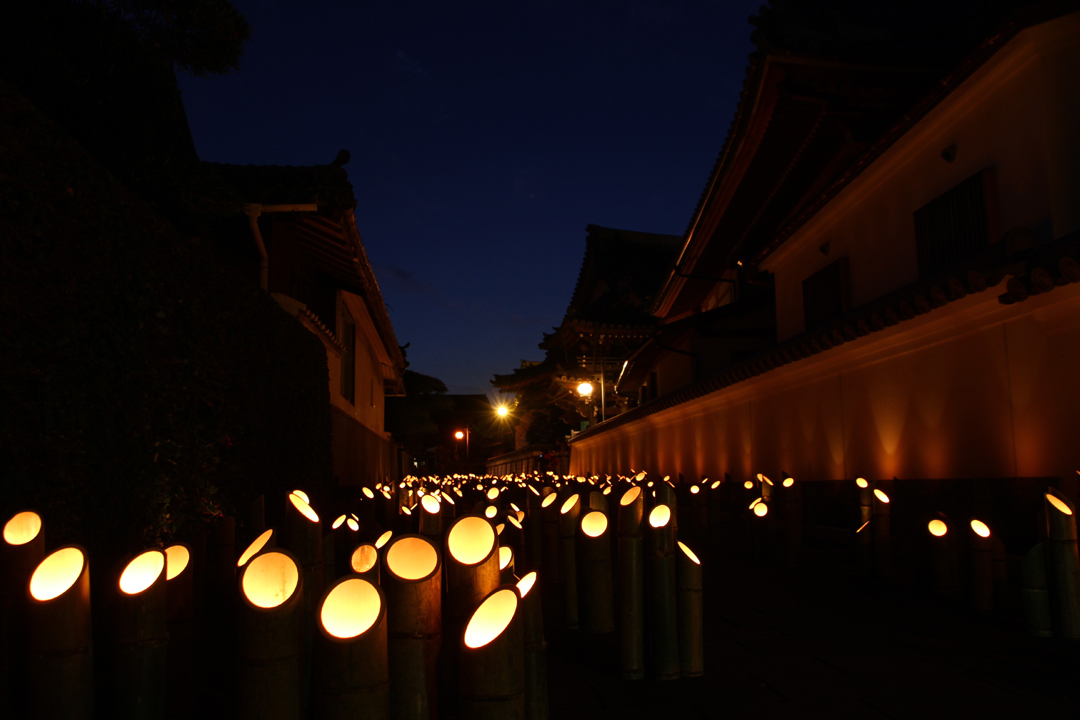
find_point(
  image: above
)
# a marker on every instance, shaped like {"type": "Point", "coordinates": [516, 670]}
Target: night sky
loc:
{"type": "Point", "coordinates": [484, 137]}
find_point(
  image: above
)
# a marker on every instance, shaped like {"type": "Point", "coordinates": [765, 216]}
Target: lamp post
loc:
{"type": "Point", "coordinates": [464, 434]}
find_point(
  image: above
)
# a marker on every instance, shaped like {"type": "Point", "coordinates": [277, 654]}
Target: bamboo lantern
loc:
{"type": "Point", "coordinates": [982, 570]}
{"type": "Point", "coordinates": [472, 567]}
{"type": "Point", "coordinates": [365, 562]}
{"type": "Point", "coordinates": [181, 616]}
{"type": "Point", "coordinates": [569, 513]}
{"type": "Point", "coordinates": [598, 501]}
{"type": "Point", "coordinates": [532, 525]}
{"type": "Point", "coordinates": [303, 537]}
{"type": "Point", "coordinates": [549, 512]}
{"type": "Point", "coordinates": [630, 595]}
{"type": "Point", "coordinates": [513, 536]}
{"type": "Point", "coordinates": [598, 614]}
{"type": "Point", "coordinates": [532, 622]}
{"type": "Point", "coordinates": [60, 650]}
{"type": "Point", "coordinates": [412, 581]}
{"type": "Point", "coordinates": [506, 566]}
{"type": "Point", "coordinates": [660, 594]}
{"type": "Point", "coordinates": [352, 676]}
{"type": "Point", "coordinates": [882, 539]}
{"type": "Point", "coordinates": [1035, 592]}
{"type": "Point", "coordinates": [269, 624]}
{"type": "Point", "coordinates": [492, 672]}
{"type": "Point", "coordinates": [430, 517]}
{"type": "Point", "coordinates": [23, 548]}
{"type": "Point", "coordinates": [945, 560]}
{"type": "Point", "coordinates": [790, 493]}
{"type": "Point", "coordinates": [1063, 562]}
{"type": "Point", "coordinates": [691, 613]}
{"type": "Point", "coordinates": [864, 536]}
{"type": "Point", "coordinates": [138, 639]}
{"type": "Point", "coordinates": [265, 541]}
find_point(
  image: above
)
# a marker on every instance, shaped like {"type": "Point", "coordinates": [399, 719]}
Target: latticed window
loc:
{"type": "Point", "coordinates": [956, 225]}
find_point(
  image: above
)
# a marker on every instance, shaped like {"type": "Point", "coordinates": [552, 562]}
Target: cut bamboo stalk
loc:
{"type": "Point", "coordinates": [882, 528]}
{"type": "Point", "coordinates": [790, 494]}
{"type": "Point", "coordinates": [430, 510]}
{"type": "Point", "coordinates": [691, 614]}
{"type": "Point", "coordinates": [1063, 562]}
{"type": "Point", "coordinates": [982, 568]}
{"type": "Point", "coordinates": [552, 587]}
{"type": "Point", "coordinates": [60, 657]}
{"type": "Point", "coordinates": [568, 520]}
{"type": "Point", "coordinates": [864, 536]}
{"type": "Point", "coordinates": [352, 676]}
{"type": "Point", "coordinates": [22, 549]}
{"type": "Point", "coordinates": [303, 537]}
{"type": "Point", "coordinates": [594, 545]}
{"type": "Point", "coordinates": [946, 558]}
{"type": "Point", "coordinates": [631, 574]}
{"type": "Point", "coordinates": [1035, 592]}
{"type": "Point", "coordinates": [506, 566]}
{"type": "Point", "coordinates": [492, 675]}
{"type": "Point", "coordinates": [269, 625]}
{"type": "Point", "coordinates": [533, 527]}
{"type": "Point", "coordinates": [138, 614]}
{"type": "Point", "coordinates": [472, 567]}
{"type": "Point", "coordinates": [412, 581]}
{"type": "Point", "coordinates": [660, 594]}
{"type": "Point", "coordinates": [532, 623]}
{"type": "Point", "coordinates": [365, 562]}
{"type": "Point", "coordinates": [179, 674]}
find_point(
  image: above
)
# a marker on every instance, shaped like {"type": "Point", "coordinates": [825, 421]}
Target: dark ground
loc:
{"type": "Point", "coordinates": [818, 642]}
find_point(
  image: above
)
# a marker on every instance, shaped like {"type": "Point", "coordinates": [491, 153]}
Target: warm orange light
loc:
{"type": "Point", "coordinates": [789, 481]}
{"type": "Point", "coordinates": [499, 528]}
{"type": "Point", "coordinates": [534, 490]}
{"type": "Point", "coordinates": [254, 547]}
{"type": "Point", "coordinates": [630, 495]}
{"type": "Point", "coordinates": [980, 528]}
{"type": "Point", "coordinates": [514, 521]}
{"type": "Point", "coordinates": [862, 527]}
{"type": "Point", "coordinates": [142, 572]}
{"type": "Point", "coordinates": [594, 524]}
{"type": "Point", "coordinates": [525, 584]}
{"type": "Point", "coordinates": [764, 479]}
{"type": "Point", "coordinates": [364, 558]}
{"type": "Point", "coordinates": [569, 504]}
{"type": "Point", "coordinates": [505, 556]}
{"type": "Point", "coordinates": [584, 389]}
{"type": "Point", "coordinates": [353, 525]}
{"type": "Point", "coordinates": [406, 510]}
{"type": "Point", "coordinates": [177, 558]}
{"type": "Point", "coordinates": [470, 540]}
{"type": "Point", "coordinates": [383, 539]}
{"type": "Point", "coordinates": [57, 573]}
{"type": "Point", "coordinates": [491, 618]}
{"type": "Point", "coordinates": [548, 500]}
{"type": "Point", "coordinates": [502, 411]}
{"type": "Point", "coordinates": [22, 528]}
{"type": "Point", "coordinates": [761, 509]}
{"type": "Point", "coordinates": [1057, 502]}
{"type": "Point", "coordinates": [607, 490]}
{"type": "Point", "coordinates": [430, 503]}
{"type": "Point", "coordinates": [339, 522]}
{"type": "Point", "coordinates": [881, 496]}
{"type": "Point", "coordinates": [694, 490]}
{"type": "Point", "coordinates": [411, 558]}
{"type": "Point", "coordinates": [368, 494]}
{"type": "Point", "coordinates": [660, 516]}
{"type": "Point", "coordinates": [492, 493]}
{"type": "Point", "coordinates": [716, 484]}
{"type": "Point", "coordinates": [754, 504]}
{"type": "Point", "coordinates": [350, 608]}
{"type": "Point", "coordinates": [270, 579]}
{"type": "Point", "coordinates": [748, 484]}
{"type": "Point", "coordinates": [459, 435]}
{"type": "Point", "coordinates": [302, 505]}
{"type": "Point", "coordinates": [448, 498]}
{"type": "Point", "coordinates": [302, 495]}
{"type": "Point", "coordinates": [861, 482]}
{"type": "Point", "coordinates": [490, 512]}
{"type": "Point", "coordinates": [937, 528]}
{"type": "Point", "coordinates": [689, 553]}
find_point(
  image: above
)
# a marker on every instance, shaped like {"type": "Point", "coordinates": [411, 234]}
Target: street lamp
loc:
{"type": "Point", "coordinates": [502, 411]}
{"type": "Point", "coordinates": [585, 389]}
{"type": "Point", "coordinates": [464, 434]}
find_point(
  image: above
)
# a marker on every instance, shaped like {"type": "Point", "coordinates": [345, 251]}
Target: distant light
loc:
{"type": "Point", "coordinates": [749, 484]}
{"type": "Point", "coordinates": [861, 482]}
{"type": "Point", "coordinates": [1059, 504]}
{"type": "Point", "coordinates": [881, 496]}
{"type": "Point", "coordinates": [761, 509]}
{"type": "Point", "coordinates": [938, 528]}
{"type": "Point", "coordinates": [459, 435]}
{"type": "Point", "coordinates": [502, 411]}
{"type": "Point", "coordinates": [789, 481]}
{"type": "Point", "coordinates": [695, 490]}
{"type": "Point", "coordinates": [980, 528]}
{"type": "Point", "coordinates": [585, 389]}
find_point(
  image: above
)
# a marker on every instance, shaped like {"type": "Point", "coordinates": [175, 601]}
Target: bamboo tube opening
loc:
{"type": "Point", "coordinates": [548, 500]}
{"type": "Point", "coordinates": [448, 498]}
{"type": "Point", "coordinates": [630, 495]}
{"type": "Point", "coordinates": [980, 528]}
{"type": "Point", "coordinates": [749, 484]}
{"type": "Point", "coordinates": [22, 528]}
{"type": "Point", "coordinates": [302, 495]}
{"type": "Point", "coordinates": [525, 584]}
{"type": "Point", "coordinates": [660, 516]}
{"type": "Point", "coordinates": [492, 493]}
{"type": "Point", "coordinates": [788, 482]}
{"type": "Point", "coordinates": [339, 522]}
{"type": "Point", "coordinates": [270, 579]}
{"type": "Point", "coordinates": [490, 512]}
{"type": "Point", "coordinates": [1057, 502]}
{"type": "Point", "coordinates": [881, 496]}
{"type": "Point", "coordinates": [383, 539]}
{"type": "Point", "coordinates": [177, 558]}
{"type": "Point", "coordinates": [505, 556]}
{"type": "Point", "coordinates": [761, 509]}
{"type": "Point", "coordinates": [301, 504]}
{"type": "Point", "coordinates": [756, 501]}
{"type": "Point", "coordinates": [367, 493]}
{"type": "Point", "coordinates": [470, 540]}
{"type": "Point", "coordinates": [257, 544]}
{"type": "Point", "coordinates": [412, 558]}
{"type": "Point", "coordinates": [569, 504]}
{"type": "Point", "coordinates": [142, 572]}
{"type": "Point", "coordinates": [353, 525]}
{"type": "Point", "coordinates": [350, 608]}
{"type": "Point", "coordinates": [694, 489]}
{"type": "Point", "coordinates": [491, 618]}
{"type": "Point", "coordinates": [57, 573]}
{"type": "Point", "coordinates": [594, 524]}
{"type": "Point", "coordinates": [861, 482]}
{"type": "Point", "coordinates": [716, 484]}
{"type": "Point", "coordinates": [499, 528]}
{"type": "Point", "coordinates": [514, 521]}
{"type": "Point", "coordinates": [689, 553]}
{"type": "Point", "coordinates": [937, 528]}
{"type": "Point", "coordinates": [431, 504]}
{"type": "Point", "coordinates": [764, 479]}
{"type": "Point", "coordinates": [364, 558]}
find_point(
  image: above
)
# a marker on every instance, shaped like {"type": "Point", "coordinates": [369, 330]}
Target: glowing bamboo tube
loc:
{"type": "Point", "coordinates": [532, 623]}
{"type": "Point", "coordinates": [138, 616]}
{"type": "Point", "coordinates": [630, 577]}
{"type": "Point", "coordinates": [412, 581]}
{"type": "Point", "coordinates": [430, 517]}
{"type": "Point", "coordinates": [265, 541]}
{"type": "Point", "coordinates": [60, 658]}
{"type": "Point", "coordinates": [946, 559]}
{"type": "Point", "coordinates": [982, 567]}
{"type": "Point", "coordinates": [533, 525]}
{"type": "Point", "coordinates": [691, 613]}
{"type": "Point", "coordinates": [549, 513]}
{"type": "Point", "coordinates": [864, 538]}
{"type": "Point", "coordinates": [660, 595]}
{"type": "Point", "coordinates": [791, 512]}
{"type": "Point", "coordinates": [882, 527]}
{"type": "Point", "coordinates": [365, 562]}
{"type": "Point", "coordinates": [472, 567]}
{"type": "Point", "coordinates": [568, 521]}
{"type": "Point", "coordinates": [179, 680]}
{"type": "Point", "coordinates": [20, 552]}
{"type": "Point", "coordinates": [492, 673]}
{"type": "Point", "coordinates": [594, 545]}
{"type": "Point", "coordinates": [351, 667]}
{"type": "Point", "coordinates": [303, 537]}
{"type": "Point", "coordinates": [1063, 562]}
{"type": "Point", "coordinates": [269, 625]}
{"type": "Point", "coordinates": [1035, 592]}
{"type": "Point", "coordinates": [506, 566]}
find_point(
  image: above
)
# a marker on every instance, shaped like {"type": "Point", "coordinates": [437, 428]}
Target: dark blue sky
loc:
{"type": "Point", "coordinates": [485, 136]}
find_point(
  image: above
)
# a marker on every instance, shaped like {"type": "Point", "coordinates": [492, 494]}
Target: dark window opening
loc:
{"type": "Point", "coordinates": [826, 294]}
{"type": "Point", "coordinates": [956, 225]}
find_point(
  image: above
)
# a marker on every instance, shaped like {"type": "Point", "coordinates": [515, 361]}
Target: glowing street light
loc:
{"type": "Point", "coordinates": [459, 435]}
{"type": "Point", "coordinates": [585, 389]}
{"type": "Point", "coordinates": [502, 411]}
